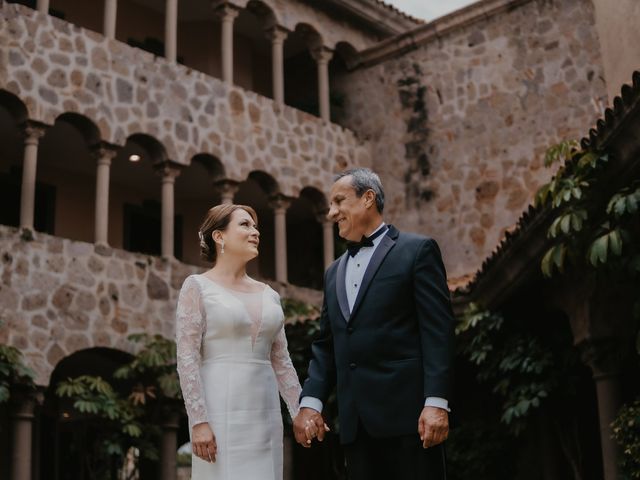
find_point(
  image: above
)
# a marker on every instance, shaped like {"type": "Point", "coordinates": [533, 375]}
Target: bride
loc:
{"type": "Point", "coordinates": [232, 356]}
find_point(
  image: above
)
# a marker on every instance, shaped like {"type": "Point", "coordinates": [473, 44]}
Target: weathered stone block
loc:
{"type": "Point", "coordinates": [63, 297]}
{"type": "Point", "coordinates": [157, 289]}
{"type": "Point", "coordinates": [34, 301]}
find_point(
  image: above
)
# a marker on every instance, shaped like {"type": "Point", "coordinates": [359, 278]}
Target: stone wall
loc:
{"type": "Point", "coordinates": [55, 67]}
{"type": "Point", "coordinates": [459, 125]}
{"type": "Point", "coordinates": [59, 296]}
{"type": "Point", "coordinates": [617, 24]}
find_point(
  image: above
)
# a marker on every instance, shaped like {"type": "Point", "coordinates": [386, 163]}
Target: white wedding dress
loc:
{"type": "Point", "coordinates": [232, 360]}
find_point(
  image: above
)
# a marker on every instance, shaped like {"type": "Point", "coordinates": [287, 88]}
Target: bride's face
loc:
{"type": "Point", "coordinates": [241, 237]}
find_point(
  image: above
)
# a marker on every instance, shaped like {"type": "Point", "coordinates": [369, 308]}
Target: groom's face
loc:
{"type": "Point", "coordinates": [349, 211]}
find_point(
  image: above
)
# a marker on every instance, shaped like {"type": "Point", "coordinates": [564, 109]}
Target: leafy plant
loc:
{"type": "Point", "coordinates": [13, 372]}
{"type": "Point", "coordinates": [588, 226]}
{"type": "Point", "coordinates": [517, 366]}
{"type": "Point", "coordinates": [481, 450]}
{"type": "Point", "coordinates": [626, 431]}
{"type": "Point", "coordinates": [126, 420]}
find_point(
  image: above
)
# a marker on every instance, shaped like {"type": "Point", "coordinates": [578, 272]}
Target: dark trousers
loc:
{"type": "Point", "coordinates": [395, 458]}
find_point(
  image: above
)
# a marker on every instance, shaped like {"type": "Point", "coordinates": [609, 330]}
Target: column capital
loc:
{"type": "Point", "coordinates": [604, 355]}
{"type": "Point", "coordinates": [168, 170]}
{"type": "Point", "coordinates": [33, 131]}
{"type": "Point", "coordinates": [226, 11]}
{"type": "Point", "coordinates": [321, 216]}
{"type": "Point", "coordinates": [276, 33]}
{"type": "Point", "coordinates": [104, 152]}
{"type": "Point", "coordinates": [170, 418]}
{"type": "Point", "coordinates": [321, 54]}
{"type": "Point", "coordinates": [226, 186]}
{"type": "Point", "coordinates": [23, 403]}
{"type": "Point", "coordinates": [279, 202]}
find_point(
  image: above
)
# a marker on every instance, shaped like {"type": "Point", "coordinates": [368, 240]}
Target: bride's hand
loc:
{"type": "Point", "coordinates": [203, 442]}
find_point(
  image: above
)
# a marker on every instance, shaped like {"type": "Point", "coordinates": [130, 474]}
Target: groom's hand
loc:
{"type": "Point", "coordinates": [433, 426]}
{"type": "Point", "coordinates": [308, 424]}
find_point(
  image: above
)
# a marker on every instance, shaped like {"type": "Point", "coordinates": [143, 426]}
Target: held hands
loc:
{"type": "Point", "coordinates": [308, 425]}
{"type": "Point", "coordinates": [433, 426]}
{"type": "Point", "coordinates": [203, 442]}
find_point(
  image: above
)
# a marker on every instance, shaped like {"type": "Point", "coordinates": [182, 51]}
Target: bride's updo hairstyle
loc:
{"type": "Point", "coordinates": [218, 218]}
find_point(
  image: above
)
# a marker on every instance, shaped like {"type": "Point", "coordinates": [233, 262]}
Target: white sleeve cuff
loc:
{"type": "Point", "coordinates": [311, 402]}
{"type": "Point", "coordinates": [435, 402]}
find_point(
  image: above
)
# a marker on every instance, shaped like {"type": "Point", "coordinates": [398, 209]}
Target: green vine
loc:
{"type": "Point", "coordinates": [13, 372]}
{"type": "Point", "coordinates": [588, 226]}
{"type": "Point", "coordinates": [518, 367]}
{"type": "Point", "coordinates": [626, 431]}
{"type": "Point", "coordinates": [601, 231]}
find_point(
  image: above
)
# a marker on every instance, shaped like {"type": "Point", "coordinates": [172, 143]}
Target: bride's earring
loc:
{"type": "Point", "coordinates": [222, 247]}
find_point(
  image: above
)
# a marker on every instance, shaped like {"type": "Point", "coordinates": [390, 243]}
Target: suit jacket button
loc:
{"type": "Point", "coordinates": [352, 366]}
{"type": "Point", "coordinates": [349, 329]}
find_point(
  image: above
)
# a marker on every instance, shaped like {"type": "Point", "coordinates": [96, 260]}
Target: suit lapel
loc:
{"type": "Point", "coordinates": [386, 244]}
{"type": "Point", "coordinates": [341, 289]}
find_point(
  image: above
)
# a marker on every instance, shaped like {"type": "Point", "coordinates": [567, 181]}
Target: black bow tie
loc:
{"type": "Point", "coordinates": [354, 247]}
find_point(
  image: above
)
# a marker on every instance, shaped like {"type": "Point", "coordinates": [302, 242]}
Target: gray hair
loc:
{"type": "Point", "coordinates": [363, 179]}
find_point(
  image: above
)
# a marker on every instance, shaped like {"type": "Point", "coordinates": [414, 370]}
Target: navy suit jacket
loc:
{"type": "Point", "coordinates": [395, 348]}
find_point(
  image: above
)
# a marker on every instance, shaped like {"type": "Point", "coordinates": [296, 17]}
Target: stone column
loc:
{"type": "Point", "coordinates": [104, 154]}
{"type": "Point", "coordinates": [22, 416]}
{"type": "Point", "coordinates": [227, 14]}
{"type": "Point", "coordinates": [227, 190]}
{"type": "Point", "coordinates": [322, 55]}
{"type": "Point", "coordinates": [43, 6]}
{"type": "Point", "coordinates": [32, 133]}
{"type": "Point", "coordinates": [603, 358]}
{"type": "Point", "coordinates": [277, 35]}
{"type": "Point", "coordinates": [169, 171]}
{"type": "Point", "coordinates": [169, 447]}
{"type": "Point", "coordinates": [171, 30]}
{"type": "Point", "coordinates": [109, 21]}
{"type": "Point", "coordinates": [327, 238]}
{"type": "Point", "coordinates": [280, 204]}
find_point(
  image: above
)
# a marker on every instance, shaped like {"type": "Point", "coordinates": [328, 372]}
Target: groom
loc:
{"type": "Point", "coordinates": [386, 342]}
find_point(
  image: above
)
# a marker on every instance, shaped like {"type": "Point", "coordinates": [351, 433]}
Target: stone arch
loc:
{"type": "Point", "coordinates": [153, 147]}
{"type": "Point", "coordinates": [315, 197]}
{"type": "Point", "coordinates": [304, 238]}
{"type": "Point", "coordinates": [345, 58]}
{"type": "Point", "coordinates": [300, 68]}
{"type": "Point", "coordinates": [195, 194]}
{"type": "Point", "coordinates": [59, 420]}
{"type": "Point", "coordinates": [13, 117]}
{"type": "Point", "coordinates": [256, 191]}
{"type": "Point", "coordinates": [88, 361]}
{"type": "Point", "coordinates": [86, 127]}
{"type": "Point", "coordinates": [135, 195]}
{"type": "Point", "coordinates": [65, 175]}
{"type": "Point", "coordinates": [253, 49]}
{"type": "Point", "coordinates": [309, 34]}
{"type": "Point", "coordinates": [16, 107]}
{"type": "Point", "coordinates": [346, 52]}
{"type": "Point", "coordinates": [264, 11]}
{"type": "Point", "coordinates": [267, 183]}
{"type": "Point", "coordinates": [211, 164]}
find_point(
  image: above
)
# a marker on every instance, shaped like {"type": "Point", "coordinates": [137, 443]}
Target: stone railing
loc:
{"type": "Point", "coordinates": [59, 296]}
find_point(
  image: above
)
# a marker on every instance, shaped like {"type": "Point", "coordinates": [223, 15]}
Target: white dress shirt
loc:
{"type": "Point", "coordinates": [356, 266]}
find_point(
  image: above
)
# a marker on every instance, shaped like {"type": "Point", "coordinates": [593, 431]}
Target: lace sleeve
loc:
{"type": "Point", "coordinates": [190, 326]}
{"type": "Point", "coordinates": [286, 375]}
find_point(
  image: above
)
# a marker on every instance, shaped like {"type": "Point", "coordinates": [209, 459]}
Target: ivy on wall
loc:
{"type": "Point", "coordinates": [598, 229]}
